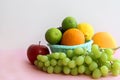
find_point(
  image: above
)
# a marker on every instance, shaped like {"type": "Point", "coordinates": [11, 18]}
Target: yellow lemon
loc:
{"type": "Point", "coordinates": [104, 40]}
{"type": "Point", "coordinates": [87, 30]}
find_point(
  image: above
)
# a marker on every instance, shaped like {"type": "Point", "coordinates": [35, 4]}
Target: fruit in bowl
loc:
{"type": "Point", "coordinates": [69, 22]}
{"type": "Point", "coordinates": [53, 35]}
{"type": "Point", "coordinates": [69, 36]}
{"type": "Point", "coordinates": [87, 30]}
{"type": "Point", "coordinates": [72, 37]}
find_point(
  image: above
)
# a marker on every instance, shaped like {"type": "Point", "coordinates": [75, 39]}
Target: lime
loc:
{"type": "Point", "coordinates": [69, 22]}
{"type": "Point", "coordinates": [53, 35]}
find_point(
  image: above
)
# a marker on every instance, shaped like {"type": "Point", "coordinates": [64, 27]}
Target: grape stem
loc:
{"type": "Point", "coordinates": [111, 48]}
{"type": "Point", "coordinates": [116, 48]}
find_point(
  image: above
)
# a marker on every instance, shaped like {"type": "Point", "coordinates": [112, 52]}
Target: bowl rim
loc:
{"type": "Point", "coordinates": [61, 46]}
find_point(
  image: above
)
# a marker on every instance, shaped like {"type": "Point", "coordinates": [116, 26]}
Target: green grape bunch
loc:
{"type": "Point", "coordinates": [97, 63]}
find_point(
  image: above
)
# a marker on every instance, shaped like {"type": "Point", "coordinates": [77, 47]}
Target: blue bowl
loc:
{"type": "Point", "coordinates": [64, 48]}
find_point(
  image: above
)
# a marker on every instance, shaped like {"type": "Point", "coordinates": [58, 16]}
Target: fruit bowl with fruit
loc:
{"type": "Point", "coordinates": [69, 36]}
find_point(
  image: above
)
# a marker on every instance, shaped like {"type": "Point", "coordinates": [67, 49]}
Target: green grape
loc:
{"type": "Point", "coordinates": [74, 71]}
{"type": "Point", "coordinates": [40, 64]}
{"type": "Point", "coordinates": [115, 72]}
{"type": "Point", "coordinates": [62, 55]}
{"type": "Point", "coordinates": [66, 70]}
{"type": "Point", "coordinates": [93, 66]}
{"type": "Point", "coordinates": [79, 60]}
{"type": "Point", "coordinates": [57, 69]}
{"type": "Point", "coordinates": [49, 58]}
{"type": "Point", "coordinates": [94, 47]}
{"type": "Point", "coordinates": [44, 69]}
{"type": "Point", "coordinates": [104, 70]}
{"type": "Point", "coordinates": [92, 56]}
{"type": "Point", "coordinates": [96, 51]}
{"type": "Point", "coordinates": [53, 62]}
{"type": "Point", "coordinates": [59, 63]}
{"type": "Point", "coordinates": [108, 51]}
{"type": "Point", "coordinates": [81, 69]}
{"type": "Point", "coordinates": [87, 71]}
{"type": "Point", "coordinates": [71, 64]}
{"type": "Point", "coordinates": [65, 61]}
{"type": "Point", "coordinates": [110, 58]}
{"type": "Point", "coordinates": [116, 65]}
{"type": "Point", "coordinates": [78, 51]}
{"type": "Point", "coordinates": [74, 58]}
{"type": "Point", "coordinates": [96, 73]}
{"type": "Point", "coordinates": [104, 57]}
{"type": "Point", "coordinates": [86, 51]}
{"type": "Point", "coordinates": [39, 57]}
{"type": "Point", "coordinates": [88, 59]}
{"type": "Point", "coordinates": [97, 55]}
{"type": "Point", "coordinates": [48, 55]}
{"type": "Point", "coordinates": [50, 69]}
{"type": "Point", "coordinates": [43, 58]}
{"type": "Point", "coordinates": [69, 53]}
{"type": "Point", "coordinates": [108, 64]}
{"type": "Point", "coordinates": [55, 55]}
{"type": "Point", "coordinates": [47, 63]}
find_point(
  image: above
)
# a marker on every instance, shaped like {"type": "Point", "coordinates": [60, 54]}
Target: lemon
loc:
{"type": "Point", "coordinates": [87, 30]}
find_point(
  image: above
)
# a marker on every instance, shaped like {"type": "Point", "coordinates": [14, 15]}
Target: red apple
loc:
{"type": "Point", "coordinates": [36, 49]}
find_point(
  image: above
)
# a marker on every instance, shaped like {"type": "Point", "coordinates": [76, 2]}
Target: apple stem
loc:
{"type": "Point", "coordinates": [39, 42]}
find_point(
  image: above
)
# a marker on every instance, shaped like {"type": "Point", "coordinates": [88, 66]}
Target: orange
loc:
{"type": "Point", "coordinates": [72, 36]}
{"type": "Point", "coordinates": [104, 40]}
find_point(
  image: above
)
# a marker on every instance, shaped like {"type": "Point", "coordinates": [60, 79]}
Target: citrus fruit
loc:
{"type": "Point", "coordinates": [104, 40]}
{"type": "Point", "coordinates": [72, 36]}
{"type": "Point", "coordinates": [53, 35]}
{"type": "Point", "coordinates": [87, 30]}
{"type": "Point", "coordinates": [69, 22]}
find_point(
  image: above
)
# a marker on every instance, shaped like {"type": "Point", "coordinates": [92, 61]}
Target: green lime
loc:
{"type": "Point", "coordinates": [69, 22]}
{"type": "Point", "coordinates": [53, 35]}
